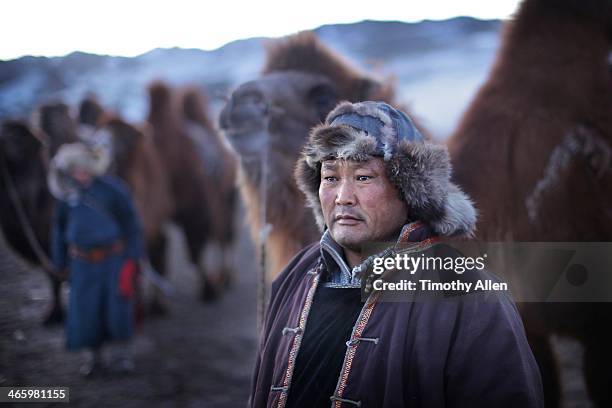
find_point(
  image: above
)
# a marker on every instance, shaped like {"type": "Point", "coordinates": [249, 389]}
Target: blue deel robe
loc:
{"type": "Point", "coordinates": [101, 214]}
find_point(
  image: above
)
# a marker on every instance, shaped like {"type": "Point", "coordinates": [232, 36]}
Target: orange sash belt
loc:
{"type": "Point", "coordinates": [96, 254]}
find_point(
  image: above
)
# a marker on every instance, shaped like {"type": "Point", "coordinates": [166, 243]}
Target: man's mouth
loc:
{"type": "Point", "coordinates": [347, 219]}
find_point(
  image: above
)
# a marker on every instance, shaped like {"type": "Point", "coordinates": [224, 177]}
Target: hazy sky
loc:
{"type": "Point", "coordinates": [132, 27]}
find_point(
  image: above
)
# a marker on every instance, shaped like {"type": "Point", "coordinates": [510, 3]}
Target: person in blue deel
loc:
{"type": "Point", "coordinates": [97, 240]}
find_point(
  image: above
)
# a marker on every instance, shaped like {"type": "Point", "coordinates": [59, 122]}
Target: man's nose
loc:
{"type": "Point", "coordinates": [346, 193]}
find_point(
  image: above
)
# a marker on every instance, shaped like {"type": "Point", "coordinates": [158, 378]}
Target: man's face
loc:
{"type": "Point", "coordinates": [81, 175]}
{"type": "Point", "coordinates": [359, 203]}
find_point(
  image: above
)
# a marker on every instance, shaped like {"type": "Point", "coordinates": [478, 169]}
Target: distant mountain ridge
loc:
{"type": "Point", "coordinates": [428, 59]}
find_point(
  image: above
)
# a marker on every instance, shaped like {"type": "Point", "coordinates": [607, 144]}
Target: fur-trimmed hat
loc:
{"type": "Point", "coordinates": [69, 156]}
{"type": "Point", "coordinates": [419, 169]}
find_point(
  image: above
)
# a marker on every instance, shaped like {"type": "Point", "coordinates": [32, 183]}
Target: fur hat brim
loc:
{"type": "Point", "coordinates": [95, 160]}
{"type": "Point", "coordinates": [420, 171]}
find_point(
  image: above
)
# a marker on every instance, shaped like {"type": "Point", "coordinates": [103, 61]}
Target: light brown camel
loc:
{"type": "Point", "coordinates": [301, 82]}
{"type": "Point", "coordinates": [220, 167]}
{"type": "Point", "coordinates": [195, 198]}
{"type": "Point", "coordinates": [534, 151]}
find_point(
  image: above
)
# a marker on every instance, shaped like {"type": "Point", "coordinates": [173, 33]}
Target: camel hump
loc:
{"type": "Point", "coordinates": [49, 114]}
{"type": "Point", "coordinates": [194, 104]}
{"type": "Point", "coordinates": [305, 52]}
{"type": "Point", "coordinates": [158, 89]}
{"type": "Point", "coordinates": [160, 95]}
{"type": "Point", "coordinates": [54, 120]}
{"type": "Point", "coordinates": [90, 111]}
{"type": "Point", "coordinates": [122, 129]}
{"type": "Point", "coordinates": [164, 111]}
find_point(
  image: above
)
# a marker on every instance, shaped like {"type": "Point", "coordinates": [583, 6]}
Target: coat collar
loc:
{"type": "Point", "coordinates": [340, 275]}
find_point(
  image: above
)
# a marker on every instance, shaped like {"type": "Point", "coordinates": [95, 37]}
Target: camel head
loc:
{"type": "Point", "coordinates": [300, 84]}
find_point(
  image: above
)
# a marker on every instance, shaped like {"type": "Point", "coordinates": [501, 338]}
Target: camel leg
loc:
{"type": "Point", "coordinates": [227, 254]}
{"type": "Point", "coordinates": [196, 242]}
{"type": "Point", "coordinates": [157, 257]}
{"type": "Point", "coordinates": [597, 362]}
{"type": "Point", "coordinates": [217, 263]}
{"type": "Point", "coordinates": [55, 315]}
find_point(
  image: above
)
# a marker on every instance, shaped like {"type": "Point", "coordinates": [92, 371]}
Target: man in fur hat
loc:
{"type": "Point", "coordinates": [370, 177]}
{"type": "Point", "coordinates": [97, 239]}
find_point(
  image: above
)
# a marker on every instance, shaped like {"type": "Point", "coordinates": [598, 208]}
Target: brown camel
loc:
{"type": "Point", "coordinates": [267, 121]}
{"type": "Point", "coordinates": [220, 167]}
{"type": "Point", "coordinates": [540, 129]}
{"type": "Point", "coordinates": [195, 198]}
{"type": "Point", "coordinates": [26, 205]}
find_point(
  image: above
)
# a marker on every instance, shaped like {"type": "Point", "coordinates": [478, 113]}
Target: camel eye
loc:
{"type": "Point", "coordinates": [323, 98]}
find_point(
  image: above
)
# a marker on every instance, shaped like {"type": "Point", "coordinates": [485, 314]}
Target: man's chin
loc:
{"type": "Point", "coordinates": [348, 237]}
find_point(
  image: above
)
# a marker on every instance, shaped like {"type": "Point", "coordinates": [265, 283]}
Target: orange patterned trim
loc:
{"type": "Point", "coordinates": [426, 243]}
{"type": "Point", "coordinates": [411, 227]}
{"type": "Point", "coordinates": [420, 246]}
{"type": "Point", "coordinates": [362, 321]}
{"type": "Point", "coordinates": [297, 341]}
